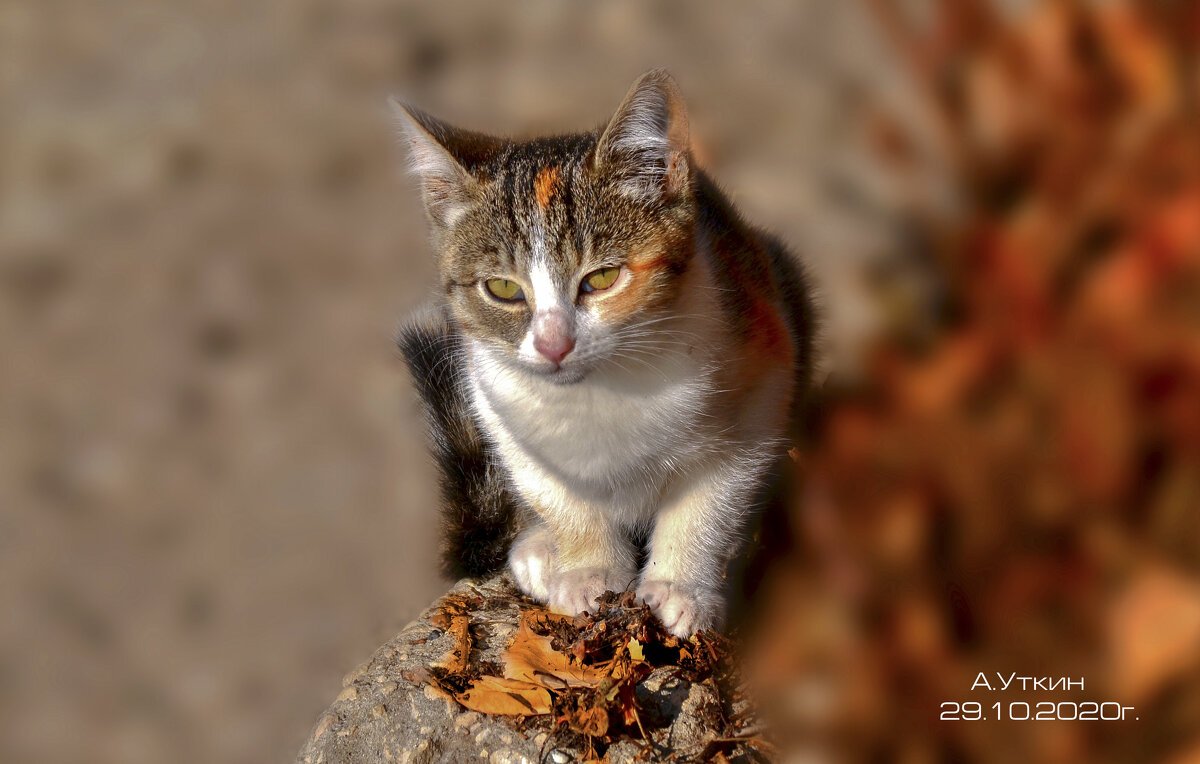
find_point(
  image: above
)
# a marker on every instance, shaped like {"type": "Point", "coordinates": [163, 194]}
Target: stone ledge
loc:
{"type": "Point", "coordinates": [394, 708]}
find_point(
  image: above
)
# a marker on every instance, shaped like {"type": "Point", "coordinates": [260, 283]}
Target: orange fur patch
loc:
{"type": "Point", "coordinates": [635, 295]}
{"type": "Point", "coordinates": [625, 302]}
{"type": "Point", "coordinates": [544, 185]}
{"type": "Point", "coordinates": [769, 335]}
{"type": "Point", "coordinates": [643, 263]}
{"type": "Point", "coordinates": [769, 346]}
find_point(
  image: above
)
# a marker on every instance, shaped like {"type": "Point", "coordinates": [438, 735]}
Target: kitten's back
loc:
{"type": "Point", "coordinates": [764, 288]}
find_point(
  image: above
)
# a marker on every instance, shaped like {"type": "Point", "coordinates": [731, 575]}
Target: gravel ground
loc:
{"type": "Point", "coordinates": [214, 499]}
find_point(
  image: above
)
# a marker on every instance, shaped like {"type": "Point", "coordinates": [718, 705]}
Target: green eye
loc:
{"type": "Point", "coordinates": [601, 279]}
{"type": "Point", "coordinates": [505, 289]}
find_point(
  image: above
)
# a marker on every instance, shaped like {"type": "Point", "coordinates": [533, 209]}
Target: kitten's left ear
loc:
{"type": "Point", "coordinates": [646, 142]}
{"type": "Point", "coordinates": [446, 159]}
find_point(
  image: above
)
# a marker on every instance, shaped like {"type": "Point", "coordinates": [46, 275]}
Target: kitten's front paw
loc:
{"type": "Point", "coordinates": [683, 609]}
{"type": "Point", "coordinates": [575, 591]}
{"type": "Point", "coordinates": [532, 562]}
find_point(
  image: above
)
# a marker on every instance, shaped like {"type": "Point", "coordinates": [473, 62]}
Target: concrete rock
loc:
{"type": "Point", "coordinates": [388, 711]}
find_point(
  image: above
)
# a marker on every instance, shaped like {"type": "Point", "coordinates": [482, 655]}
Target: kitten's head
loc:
{"type": "Point", "coordinates": [558, 254]}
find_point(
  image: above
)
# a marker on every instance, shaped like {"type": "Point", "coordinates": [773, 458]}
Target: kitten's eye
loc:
{"type": "Point", "coordinates": [509, 291]}
{"type": "Point", "coordinates": [600, 279]}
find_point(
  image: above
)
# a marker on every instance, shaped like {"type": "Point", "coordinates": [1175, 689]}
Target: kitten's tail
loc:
{"type": "Point", "coordinates": [479, 512]}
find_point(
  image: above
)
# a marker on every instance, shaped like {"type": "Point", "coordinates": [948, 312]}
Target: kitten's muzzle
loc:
{"type": "Point", "coordinates": [553, 335]}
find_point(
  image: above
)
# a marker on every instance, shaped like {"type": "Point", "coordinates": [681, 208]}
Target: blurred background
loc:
{"type": "Point", "coordinates": [214, 495]}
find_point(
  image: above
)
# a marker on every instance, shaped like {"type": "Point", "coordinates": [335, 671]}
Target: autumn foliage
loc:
{"type": "Point", "coordinates": [1018, 490]}
{"type": "Point", "coordinates": [586, 682]}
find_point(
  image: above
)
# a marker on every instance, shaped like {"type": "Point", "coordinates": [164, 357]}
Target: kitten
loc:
{"type": "Point", "coordinates": [617, 362]}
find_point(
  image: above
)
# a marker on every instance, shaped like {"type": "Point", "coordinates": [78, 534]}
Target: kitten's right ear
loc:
{"type": "Point", "coordinates": [646, 142]}
{"type": "Point", "coordinates": [444, 158]}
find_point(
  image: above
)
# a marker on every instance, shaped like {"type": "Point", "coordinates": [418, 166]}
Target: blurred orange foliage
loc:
{"type": "Point", "coordinates": [1021, 492]}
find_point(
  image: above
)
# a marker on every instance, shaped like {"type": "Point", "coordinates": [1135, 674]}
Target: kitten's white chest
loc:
{"type": "Point", "coordinates": [606, 430]}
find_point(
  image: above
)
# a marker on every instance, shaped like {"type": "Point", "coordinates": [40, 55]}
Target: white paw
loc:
{"type": "Point", "coordinates": [683, 609]}
{"type": "Point", "coordinates": [575, 591]}
{"type": "Point", "coordinates": [532, 562]}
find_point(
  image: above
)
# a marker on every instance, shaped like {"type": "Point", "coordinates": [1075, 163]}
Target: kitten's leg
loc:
{"type": "Point", "coordinates": [569, 569]}
{"type": "Point", "coordinates": [697, 530]}
{"type": "Point", "coordinates": [594, 557]}
{"type": "Point", "coordinates": [576, 551]}
{"type": "Point", "coordinates": [532, 560]}
{"type": "Point", "coordinates": [594, 561]}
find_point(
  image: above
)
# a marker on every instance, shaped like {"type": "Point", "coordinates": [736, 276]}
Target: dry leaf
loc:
{"type": "Point", "coordinates": [589, 721]}
{"type": "Point", "coordinates": [496, 695]}
{"type": "Point", "coordinates": [530, 658]}
{"type": "Point", "coordinates": [635, 650]}
{"type": "Point", "coordinates": [457, 659]}
{"type": "Point", "coordinates": [448, 607]}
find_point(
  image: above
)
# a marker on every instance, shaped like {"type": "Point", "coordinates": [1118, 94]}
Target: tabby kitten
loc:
{"type": "Point", "coordinates": [616, 364]}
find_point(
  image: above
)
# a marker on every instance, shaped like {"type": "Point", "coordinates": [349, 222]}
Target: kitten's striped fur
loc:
{"type": "Point", "coordinates": [615, 437]}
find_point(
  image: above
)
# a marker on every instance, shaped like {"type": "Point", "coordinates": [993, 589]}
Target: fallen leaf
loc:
{"type": "Point", "coordinates": [496, 695]}
{"type": "Point", "coordinates": [627, 697]}
{"type": "Point", "coordinates": [635, 650]}
{"type": "Point", "coordinates": [448, 607]}
{"type": "Point", "coordinates": [457, 659]}
{"type": "Point", "coordinates": [589, 721]}
{"type": "Point", "coordinates": [530, 658]}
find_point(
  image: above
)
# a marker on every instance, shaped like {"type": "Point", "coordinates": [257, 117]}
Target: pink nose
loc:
{"type": "Point", "coordinates": [554, 346]}
{"type": "Point", "coordinates": [552, 334]}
